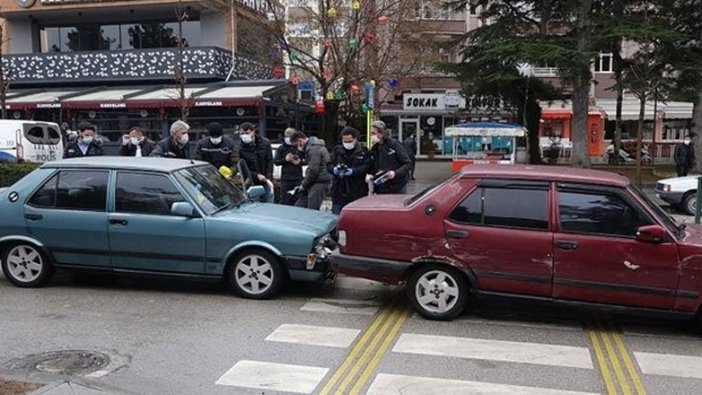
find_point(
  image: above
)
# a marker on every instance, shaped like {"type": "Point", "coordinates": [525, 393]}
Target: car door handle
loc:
{"type": "Point", "coordinates": [457, 234]}
{"type": "Point", "coordinates": [33, 217]}
{"type": "Point", "coordinates": [122, 222]}
{"type": "Point", "coordinates": [567, 245]}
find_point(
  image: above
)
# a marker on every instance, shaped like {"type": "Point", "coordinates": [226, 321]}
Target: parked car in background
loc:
{"type": "Point", "coordinates": [158, 216]}
{"type": "Point", "coordinates": [30, 141]}
{"type": "Point", "coordinates": [542, 233]}
{"type": "Point", "coordinates": [680, 192]}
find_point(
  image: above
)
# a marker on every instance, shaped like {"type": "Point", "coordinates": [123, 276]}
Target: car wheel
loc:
{"type": "Point", "coordinates": [438, 292]}
{"type": "Point", "coordinates": [690, 203]}
{"type": "Point", "coordinates": [25, 265]}
{"type": "Point", "coordinates": [256, 274]}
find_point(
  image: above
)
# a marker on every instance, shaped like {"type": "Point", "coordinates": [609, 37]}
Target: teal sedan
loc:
{"type": "Point", "coordinates": [157, 216]}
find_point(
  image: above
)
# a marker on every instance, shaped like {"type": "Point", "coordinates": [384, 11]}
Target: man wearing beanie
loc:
{"type": "Point", "coordinates": [217, 149]}
{"type": "Point", "coordinates": [390, 163]}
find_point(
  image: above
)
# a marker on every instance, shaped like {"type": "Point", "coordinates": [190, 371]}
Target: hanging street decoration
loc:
{"type": "Point", "coordinates": [356, 5]}
{"type": "Point", "coordinates": [330, 95]}
{"type": "Point", "coordinates": [278, 71]}
{"type": "Point", "coordinates": [353, 43]}
{"type": "Point", "coordinates": [327, 74]}
{"type": "Point", "coordinates": [294, 55]}
{"type": "Point", "coordinates": [382, 20]}
{"type": "Point", "coordinates": [369, 36]}
{"type": "Point", "coordinates": [393, 83]}
{"type": "Point", "coordinates": [328, 42]}
{"type": "Point", "coordinates": [339, 95]}
{"type": "Point", "coordinates": [331, 12]}
{"type": "Point", "coordinates": [319, 106]}
{"type": "Point", "coordinates": [295, 80]}
{"type": "Point", "coordinates": [355, 89]}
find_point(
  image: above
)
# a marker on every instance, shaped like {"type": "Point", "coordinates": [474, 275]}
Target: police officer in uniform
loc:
{"type": "Point", "coordinates": [217, 149]}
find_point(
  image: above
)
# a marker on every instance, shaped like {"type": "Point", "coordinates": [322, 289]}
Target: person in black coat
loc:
{"type": "Point", "coordinates": [135, 144]}
{"type": "Point", "coordinates": [176, 145]}
{"type": "Point", "coordinates": [390, 164]}
{"type": "Point", "coordinates": [86, 144]}
{"type": "Point", "coordinates": [349, 164]}
{"type": "Point", "coordinates": [290, 158]}
{"type": "Point", "coordinates": [256, 151]}
{"type": "Point", "coordinates": [411, 147]}
{"type": "Point", "coordinates": [217, 149]}
{"type": "Point", "coordinates": [684, 157]}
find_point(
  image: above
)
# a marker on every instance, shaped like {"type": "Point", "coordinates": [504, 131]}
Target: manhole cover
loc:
{"type": "Point", "coordinates": [68, 363]}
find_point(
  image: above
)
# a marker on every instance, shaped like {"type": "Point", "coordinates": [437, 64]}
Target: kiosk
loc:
{"type": "Point", "coordinates": [483, 142]}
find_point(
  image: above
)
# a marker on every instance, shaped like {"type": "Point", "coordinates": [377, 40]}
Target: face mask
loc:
{"type": "Point", "coordinates": [287, 141]}
{"type": "Point", "coordinates": [216, 140]}
{"type": "Point", "coordinates": [246, 138]}
{"type": "Point", "coordinates": [349, 146]}
{"type": "Point", "coordinates": [375, 139]}
{"type": "Point", "coordinates": [135, 140]}
{"type": "Point", "coordinates": [184, 139]}
{"type": "Point", "coordinates": [686, 141]}
{"type": "Point", "coordinates": [87, 139]}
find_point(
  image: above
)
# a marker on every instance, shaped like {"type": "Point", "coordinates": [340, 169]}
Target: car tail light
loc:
{"type": "Point", "coordinates": [342, 238]}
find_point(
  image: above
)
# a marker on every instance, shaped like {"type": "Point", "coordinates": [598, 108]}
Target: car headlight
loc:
{"type": "Point", "coordinates": [342, 238]}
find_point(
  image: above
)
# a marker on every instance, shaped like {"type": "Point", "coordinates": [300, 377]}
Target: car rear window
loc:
{"type": "Point", "coordinates": [511, 207]}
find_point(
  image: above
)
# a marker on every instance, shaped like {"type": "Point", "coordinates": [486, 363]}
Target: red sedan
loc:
{"type": "Point", "coordinates": [543, 233]}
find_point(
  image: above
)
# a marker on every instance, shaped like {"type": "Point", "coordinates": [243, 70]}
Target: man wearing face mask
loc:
{"type": "Point", "coordinates": [349, 163]}
{"type": "Point", "coordinates": [290, 159]}
{"type": "Point", "coordinates": [685, 156]}
{"type": "Point", "coordinates": [86, 144]}
{"type": "Point", "coordinates": [390, 163]}
{"type": "Point", "coordinates": [135, 144]}
{"type": "Point", "coordinates": [256, 151]}
{"type": "Point", "coordinates": [176, 145]}
{"type": "Point", "coordinates": [217, 149]}
{"type": "Point", "coordinates": [315, 185]}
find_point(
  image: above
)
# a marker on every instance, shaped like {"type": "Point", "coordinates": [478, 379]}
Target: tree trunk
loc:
{"type": "Point", "coordinates": [639, 139]}
{"type": "Point", "coordinates": [581, 88]}
{"type": "Point", "coordinates": [618, 72]}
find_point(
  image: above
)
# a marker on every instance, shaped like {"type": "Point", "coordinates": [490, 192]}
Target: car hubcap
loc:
{"type": "Point", "coordinates": [254, 274]}
{"type": "Point", "coordinates": [437, 291]}
{"type": "Point", "coordinates": [24, 263]}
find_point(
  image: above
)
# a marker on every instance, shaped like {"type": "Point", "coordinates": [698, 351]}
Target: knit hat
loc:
{"type": "Point", "coordinates": [380, 125]}
{"type": "Point", "coordinates": [214, 129]}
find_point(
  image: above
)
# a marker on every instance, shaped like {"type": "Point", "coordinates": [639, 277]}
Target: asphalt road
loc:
{"type": "Point", "coordinates": [181, 337]}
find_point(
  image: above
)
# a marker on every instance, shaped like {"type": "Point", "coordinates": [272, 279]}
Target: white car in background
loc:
{"type": "Point", "coordinates": [679, 192]}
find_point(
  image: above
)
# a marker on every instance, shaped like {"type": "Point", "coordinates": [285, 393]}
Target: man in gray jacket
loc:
{"type": "Point", "coordinates": [315, 185]}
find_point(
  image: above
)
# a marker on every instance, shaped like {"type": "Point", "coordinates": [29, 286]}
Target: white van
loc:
{"type": "Point", "coordinates": [31, 141]}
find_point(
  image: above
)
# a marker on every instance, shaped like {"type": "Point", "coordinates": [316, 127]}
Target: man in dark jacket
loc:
{"type": "Point", "coordinates": [684, 156]}
{"type": "Point", "coordinates": [176, 145]}
{"type": "Point", "coordinates": [315, 185]}
{"type": "Point", "coordinates": [410, 145]}
{"type": "Point", "coordinates": [349, 163]}
{"type": "Point", "coordinates": [135, 144]}
{"type": "Point", "coordinates": [86, 144]}
{"type": "Point", "coordinates": [256, 151]}
{"type": "Point", "coordinates": [217, 149]}
{"type": "Point", "coordinates": [290, 158]}
{"type": "Point", "coordinates": [390, 164]}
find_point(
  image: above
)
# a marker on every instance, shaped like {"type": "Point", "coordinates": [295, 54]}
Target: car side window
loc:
{"type": "Point", "coordinates": [145, 193]}
{"type": "Point", "coordinates": [82, 190]}
{"type": "Point", "coordinates": [504, 207]}
{"type": "Point", "coordinates": [598, 213]}
{"type": "Point", "coordinates": [45, 196]}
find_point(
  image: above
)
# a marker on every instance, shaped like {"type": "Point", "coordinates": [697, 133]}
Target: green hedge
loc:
{"type": "Point", "coordinates": [11, 172]}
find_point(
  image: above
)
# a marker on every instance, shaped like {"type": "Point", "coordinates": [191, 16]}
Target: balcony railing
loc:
{"type": "Point", "coordinates": [157, 64]}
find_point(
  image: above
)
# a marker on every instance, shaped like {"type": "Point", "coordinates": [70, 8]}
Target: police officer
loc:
{"type": "Point", "coordinates": [349, 163]}
{"type": "Point", "coordinates": [86, 144]}
{"type": "Point", "coordinates": [289, 158]}
{"type": "Point", "coordinates": [217, 149]}
{"type": "Point", "coordinates": [176, 145]}
{"type": "Point", "coordinates": [390, 163]}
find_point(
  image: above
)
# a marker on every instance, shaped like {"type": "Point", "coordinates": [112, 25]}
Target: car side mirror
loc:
{"type": "Point", "coordinates": [183, 209]}
{"type": "Point", "coordinates": [256, 192]}
{"type": "Point", "coordinates": [651, 234]}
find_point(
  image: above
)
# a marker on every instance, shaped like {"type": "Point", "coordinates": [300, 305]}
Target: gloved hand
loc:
{"type": "Point", "coordinates": [348, 173]}
{"type": "Point", "coordinates": [337, 170]}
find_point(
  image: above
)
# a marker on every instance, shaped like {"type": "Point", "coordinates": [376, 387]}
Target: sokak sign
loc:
{"type": "Point", "coordinates": [424, 102]}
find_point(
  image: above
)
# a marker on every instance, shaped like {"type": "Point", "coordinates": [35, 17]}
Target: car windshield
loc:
{"type": "Point", "coordinates": [209, 189]}
{"type": "Point", "coordinates": [668, 221]}
{"type": "Point", "coordinates": [426, 191]}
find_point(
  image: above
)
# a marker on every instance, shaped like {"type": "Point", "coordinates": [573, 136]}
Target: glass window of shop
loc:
{"type": "Point", "coordinates": [115, 36]}
{"type": "Point", "coordinates": [229, 117]}
{"type": "Point", "coordinates": [432, 130]}
{"type": "Point", "coordinates": [112, 124]}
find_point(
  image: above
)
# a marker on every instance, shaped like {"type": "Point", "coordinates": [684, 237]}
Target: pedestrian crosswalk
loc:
{"type": "Point", "coordinates": [354, 376]}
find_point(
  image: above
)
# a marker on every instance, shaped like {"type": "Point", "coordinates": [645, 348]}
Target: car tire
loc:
{"type": "Point", "coordinates": [689, 203]}
{"type": "Point", "coordinates": [25, 265]}
{"type": "Point", "coordinates": [256, 274]}
{"type": "Point", "coordinates": [438, 292]}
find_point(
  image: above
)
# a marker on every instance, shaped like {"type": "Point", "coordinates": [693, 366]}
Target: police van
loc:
{"type": "Point", "coordinates": [30, 141]}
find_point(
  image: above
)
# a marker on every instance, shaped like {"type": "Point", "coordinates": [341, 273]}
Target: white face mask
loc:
{"type": "Point", "coordinates": [216, 140]}
{"type": "Point", "coordinates": [349, 146]}
{"type": "Point", "coordinates": [686, 141]}
{"type": "Point", "coordinates": [287, 141]}
{"type": "Point", "coordinates": [375, 139]}
{"type": "Point", "coordinates": [135, 140]}
{"type": "Point", "coordinates": [184, 139]}
{"type": "Point", "coordinates": [87, 139]}
{"type": "Point", "coordinates": [246, 138]}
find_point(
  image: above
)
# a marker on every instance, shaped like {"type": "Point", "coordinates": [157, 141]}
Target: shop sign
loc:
{"type": "Point", "coordinates": [48, 105]}
{"type": "Point", "coordinates": [208, 104]}
{"type": "Point", "coordinates": [433, 101]}
{"type": "Point", "coordinates": [113, 105]}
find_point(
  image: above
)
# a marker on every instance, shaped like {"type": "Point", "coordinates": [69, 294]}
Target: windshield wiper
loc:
{"type": "Point", "coordinates": [226, 207]}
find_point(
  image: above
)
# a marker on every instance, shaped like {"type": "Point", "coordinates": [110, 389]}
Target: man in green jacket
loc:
{"type": "Point", "coordinates": [315, 185]}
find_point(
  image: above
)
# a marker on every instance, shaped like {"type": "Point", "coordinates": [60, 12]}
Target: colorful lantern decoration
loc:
{"type": "Point", "coordinates": [393, 83]}
{"type": "Point", "coordinates": [339, 95]}
{"type": "Point", "coordinates": [327, 74]}
{"type": "Point", "coordinates": [294, 55]}
{"type": "Point", "coordinates": [353, 43]}
{"type": "Point", "coordinates": [278, 71]}
{"type": "Point", "coordinates": [369, 36]}
{"type": "Point", "coordinates": [356, 5]}
{"type": "Point", "coordinates": [382, 20]}
{"type": "Point", "coordinates": [295, 80]}
{"type": "Point", "coordinates": [331, 12]}
{"type": "Point", "coordinates": [319, 107]}
{"type": "Point", "coordinates": [328, 42]}
{"type": "Point", "coordinates": [355, 89]}
{"type": "Point", "coordinates": [364, 107]}
{"type": "Point", "coordinates": [330, 95]}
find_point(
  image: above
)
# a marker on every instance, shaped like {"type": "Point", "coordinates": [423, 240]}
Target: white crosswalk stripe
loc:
{"type": "Point", "coordinates": [314, 335]}
{"type": "Point", "coordinates": [342, 306]}
{"type": "Point", "coordinates": [392, 384]}
{"type": "Point", "coordinates": [495, 350]}
{"type": "Point", "coordinates": [273, 376]}
{"type": "Point", "coordinates": [669, 364]}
